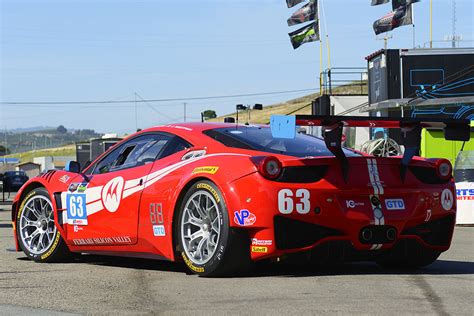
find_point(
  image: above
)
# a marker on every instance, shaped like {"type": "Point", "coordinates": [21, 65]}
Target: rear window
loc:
{"type": "Point", "coordinates": [261, 139]}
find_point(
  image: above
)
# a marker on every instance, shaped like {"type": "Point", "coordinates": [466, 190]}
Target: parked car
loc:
{"type": "Point", "coordinates": [217, 196]}
{"type": "Point", "coordinates": [13, 180]}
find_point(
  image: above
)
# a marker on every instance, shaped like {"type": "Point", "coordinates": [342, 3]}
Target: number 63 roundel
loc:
{"type": "Point", "coordinates": [290, 200]}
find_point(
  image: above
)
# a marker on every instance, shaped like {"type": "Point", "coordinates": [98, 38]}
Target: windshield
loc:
{"type": "Point", "coordinates": [260, 138]}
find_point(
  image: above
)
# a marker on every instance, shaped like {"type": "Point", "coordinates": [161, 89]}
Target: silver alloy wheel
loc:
{"type": "Point", "coordinates": [200, 227]}
{"type": "Point", "coordinates": [36, 226]}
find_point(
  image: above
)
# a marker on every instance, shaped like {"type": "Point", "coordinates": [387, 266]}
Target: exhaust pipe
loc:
{"type": "Point", "coordinates": [367, 234]}
{"type": "Point", "coordinates": [391, 234]}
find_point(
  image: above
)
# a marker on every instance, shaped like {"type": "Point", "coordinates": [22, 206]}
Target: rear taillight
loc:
{"type": "Point", "coordinates": [269, 167]}
{"type": "Point", "coordinates": [444, 169]}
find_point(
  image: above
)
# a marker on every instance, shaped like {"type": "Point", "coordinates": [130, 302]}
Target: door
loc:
{"type": "Point", "coordinates": [104, 210]}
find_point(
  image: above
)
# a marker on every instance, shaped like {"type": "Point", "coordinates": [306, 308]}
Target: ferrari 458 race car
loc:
{"type": "Point", "coordinates": [220, 196]}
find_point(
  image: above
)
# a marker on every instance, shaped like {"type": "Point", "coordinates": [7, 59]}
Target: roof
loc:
{"type": "Point", "coordinates": [28, 163]}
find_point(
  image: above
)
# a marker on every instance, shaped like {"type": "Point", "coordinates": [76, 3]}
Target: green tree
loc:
{"type": "Point", "coordinates": [210, 114]}
{"type": "Point", "coordinates": [4, 151]}
{"type": "Point", "coordinates": [61, 129]}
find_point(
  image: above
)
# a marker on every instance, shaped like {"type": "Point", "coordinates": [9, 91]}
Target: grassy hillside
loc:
{"type": "Point", "coordinates": [69, 150]}
{"type": "Point", "coordinates": [296, 106]}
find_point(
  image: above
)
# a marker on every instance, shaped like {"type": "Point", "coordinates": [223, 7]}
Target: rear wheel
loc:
{"type": "Point", "coordinates": [208, 245]}
{"type": "Point", "coordinates": [37, 234]}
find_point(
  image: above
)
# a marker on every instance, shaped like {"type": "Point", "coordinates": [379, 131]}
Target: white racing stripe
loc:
{"type": "Point", "coordinates": [94, 194]}
{"type": "Point", "coordinates": [377, 186]}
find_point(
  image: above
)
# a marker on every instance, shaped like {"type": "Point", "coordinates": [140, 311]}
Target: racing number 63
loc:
{"type": "Point", "coordinates": [76, 206]}
{"type": "Point", "coordinates": [287, 200]}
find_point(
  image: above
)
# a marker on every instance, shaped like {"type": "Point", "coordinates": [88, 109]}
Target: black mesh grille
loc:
{"type": "Point", "coordinates": [435, 233]}
{"type": "Point", "coordinates": [291, 234]}
{"type": "Point", "coordinates": [302, 174]}
{"type": "Point", "coordinates": [427, 175]}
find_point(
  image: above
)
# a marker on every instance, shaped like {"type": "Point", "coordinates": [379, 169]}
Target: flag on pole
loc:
{"type": "Point", "coordinates": [401, 16]}
{"type": "Point", "coordinates": [292, 3]}
{"type": "Point", "coordinates": [377, 2]}
{"type": "Point", "coordinates": [398, 3]}
{"type": "Point", "coordinates": [308, 12]}
{"type": "Point", "coordinates": [306, 34]}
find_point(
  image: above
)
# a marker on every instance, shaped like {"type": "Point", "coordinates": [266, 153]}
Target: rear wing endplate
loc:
{"type": "Point", "coordinates": [283, 126]}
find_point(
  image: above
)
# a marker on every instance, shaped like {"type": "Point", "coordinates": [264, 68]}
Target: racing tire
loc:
{"type": "Point", "coordinates": [206, 242]}
{"type": "Point", "coordinates": [411, 258]}
{"type": "Point", "coordinates": [36, 230]}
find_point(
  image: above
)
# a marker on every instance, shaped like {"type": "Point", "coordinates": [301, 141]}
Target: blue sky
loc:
{"type": "Point", "coordinates": [109, 49]}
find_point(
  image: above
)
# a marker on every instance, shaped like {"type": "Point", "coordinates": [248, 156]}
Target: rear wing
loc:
{"type": "Point", "coordinates": [283, 126]}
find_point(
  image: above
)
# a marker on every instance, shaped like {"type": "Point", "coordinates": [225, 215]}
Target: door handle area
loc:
{"type": "Point", "coordinates": [141, 182]}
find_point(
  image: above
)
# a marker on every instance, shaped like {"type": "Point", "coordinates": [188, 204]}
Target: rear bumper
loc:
{"type": "Point", "coordinates": [341, 215]}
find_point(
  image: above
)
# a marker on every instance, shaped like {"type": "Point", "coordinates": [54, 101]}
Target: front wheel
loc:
{"type": "Point", "coordinates": [36, 231]}
{"type": "Point", "coordinates": [208, 245]}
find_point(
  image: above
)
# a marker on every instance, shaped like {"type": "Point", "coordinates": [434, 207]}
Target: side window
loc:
{"type": "Point", "coordinates": [175, 145]}
{"type": "Point", "coordinates": [138, 151]}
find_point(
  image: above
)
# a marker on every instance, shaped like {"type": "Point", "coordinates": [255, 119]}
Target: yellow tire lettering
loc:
{"type": "Point", "coordinates": [210, 189]}
{"type": "Point", "coordinates": [191, 265]}
{"type": "Point", "coordinates": [53, 247]}
{"type": "Point", "coordinates": [22, 205]}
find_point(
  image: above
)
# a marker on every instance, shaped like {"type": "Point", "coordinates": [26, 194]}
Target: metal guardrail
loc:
{"type": "Point", "coordinates": [334, 80]}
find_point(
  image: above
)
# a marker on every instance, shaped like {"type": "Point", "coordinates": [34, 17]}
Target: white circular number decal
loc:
{"type": "Point", "coordinates": [286, 203]}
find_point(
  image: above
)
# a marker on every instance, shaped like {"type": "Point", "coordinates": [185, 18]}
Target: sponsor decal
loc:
{"type": "Point", "coordinates": [465, 194]}
{"type": "Point", "coordinates": [102, 241]}
{"type": "Point", "coordinates": [259, 249]}
{"type": "Point", "coordinates": [207, 169]}
{"type": "Point", "coordinates": [395, 204]}
{"type": "Point", "coordinates": [112, 194]}
{"type": "Point", "coordinates": [261, 242]}
{"type": "Point", "coordinates": [76, 209]}
{"type": "Point", "coordinates": [77, 228]}
{"type": "Point", "coordinates": [428, 215]}
{"type": "Point", "coordinates": [244, 218]}
{"type": "Point", "coordinates": [210, 189]}
{"type": "Point", "coordinates": [64, 179]}
{"type": "Point", "coordinates": [159, 230]}
{"type": "Point", "coordinates": [447, 199]}
{"type": "Point", "coordinates": [53, 247]}
{"type": "Point", "coordinates": [353, 204]}
{"type": "Point", "coordinates": [191, 265]}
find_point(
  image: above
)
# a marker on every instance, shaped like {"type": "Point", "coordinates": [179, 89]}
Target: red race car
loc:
{"type": "Point", "coordinates": [219, 196]}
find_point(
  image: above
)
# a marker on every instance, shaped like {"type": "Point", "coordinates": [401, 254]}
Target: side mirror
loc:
{"type": "Point", "coordinates": [73, 166]}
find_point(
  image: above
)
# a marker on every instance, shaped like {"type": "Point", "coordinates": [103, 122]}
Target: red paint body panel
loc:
{"type": "Point", "coordinates": [125, 225]}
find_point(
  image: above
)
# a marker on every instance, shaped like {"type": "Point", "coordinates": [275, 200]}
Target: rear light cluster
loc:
{"type": "Point", "coordinates": [440, 173]}
{"type": "Point", "coordinates": [444, 170]}
{"type": "Point", "coordinates": [269, 167]}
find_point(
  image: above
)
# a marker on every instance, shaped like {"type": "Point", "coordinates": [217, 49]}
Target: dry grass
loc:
{"type": "Point", "coordinates": [300, 105]}
{"type": "Point", "coordinates": [69, 150]}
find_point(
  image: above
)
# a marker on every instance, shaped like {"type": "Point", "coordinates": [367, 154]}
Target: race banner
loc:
{"type": "Point", "coordinates": [308, 12]}
{"type": "Point", "coordinates": [399, 3]}
{"type": "Point", "coordinates": [377, 2]}
{"type": "Point", "coordinates": [292, 3]}
{"type": "Point", "coordinates": [399, 17]}
{"type": "Point", "coordinates": [306, 34]}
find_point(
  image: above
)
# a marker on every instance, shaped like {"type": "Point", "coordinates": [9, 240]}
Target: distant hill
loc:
{"type": "Point", "coordinates": [300, 105]}
{"type": "Point", "coordinates": [30, 129]}
{"type": "Point", "coordinates": [36, 138]}
{"type": "Point", "coordinates": [69, 150]}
